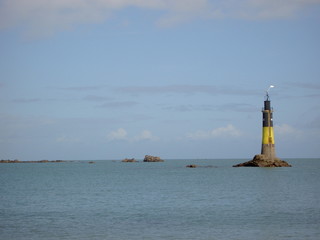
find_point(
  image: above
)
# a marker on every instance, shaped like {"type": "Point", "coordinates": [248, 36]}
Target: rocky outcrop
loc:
{"type": "Point", "coordinates": [41, 161]}
{"type": "Point", "coordinates": [10, 161]}
{"type": "Point", "coordinates": [199, 166]}
{"type": "Point", "coordinates": [191, 166]}
{"type": "Point", "coordinates": [129, 160]}
{"type": "Point", "coordinates": [149, 158]}
{"type": "Point", "coordinates": [261, 160]}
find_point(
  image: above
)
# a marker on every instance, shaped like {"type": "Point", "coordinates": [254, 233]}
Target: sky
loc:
{"type": "Point", "coordinates": [115, 79]}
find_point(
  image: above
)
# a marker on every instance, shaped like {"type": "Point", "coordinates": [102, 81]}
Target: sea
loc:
{"type": "Point", "coordinates": [112, 200]}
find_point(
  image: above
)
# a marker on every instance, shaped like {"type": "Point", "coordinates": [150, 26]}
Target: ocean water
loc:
{"type": "Point", "coordinates": [131, 201]}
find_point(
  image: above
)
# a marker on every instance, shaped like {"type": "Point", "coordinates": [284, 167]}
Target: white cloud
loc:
{"type": "Point", "coordinates": [287, 130]}
{"type": "Point", "coordinates": [145, 135]}
{"type": "Point", "coordinates": [121, 134]}
{"type": "Point", "coordinates": [45, 17]}
{"type": "Point", "coordinates": [179, 11]}
{"type": "Point", "coordinates": [227, 131]}
{"type": "Point", "coordinates": [259, 9]}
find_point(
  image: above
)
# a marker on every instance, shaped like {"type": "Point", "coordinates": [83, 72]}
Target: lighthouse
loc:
{"type": "Point", "coordinates": [267, 158]}
{"type": "Point", "coordinates": [268, 147]}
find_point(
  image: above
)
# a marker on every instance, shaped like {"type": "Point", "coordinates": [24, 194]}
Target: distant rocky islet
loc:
{"type": "Point", "coordinates": [260, 160]}
{"type": "Point", "coordinates": [129, 160]}
{"type": "Point", "coordinates": [147, 158]}
{"type": "Point", "coordinates": [33, 161]}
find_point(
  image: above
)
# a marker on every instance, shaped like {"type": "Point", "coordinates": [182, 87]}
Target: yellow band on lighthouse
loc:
{"type": "Point", "coordinates": [267, 135]}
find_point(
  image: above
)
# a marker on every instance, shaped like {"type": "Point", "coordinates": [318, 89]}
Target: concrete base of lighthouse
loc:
{"type": "Point", "coordinates": [261, 160]}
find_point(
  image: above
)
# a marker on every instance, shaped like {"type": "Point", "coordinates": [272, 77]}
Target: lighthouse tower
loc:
{"type": "Point", "coordinates": [268, 148]}
{"type": "Point", "coordinates": [267, 158]}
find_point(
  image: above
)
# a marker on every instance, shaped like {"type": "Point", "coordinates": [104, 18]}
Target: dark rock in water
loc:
{"type": "Point", "coordinates": [33, 161]}
{"type": "Point", "coordinates": [91, 162]}
{"type": "Point", "coordinates": [261, 160]}
{"type": "Point", "coordinates": [198, 166]}
{"type": "Point", "coordinates": [191, 166]}
{"type": "Point", "coordinates": [129, 160]}
{"type": "Point", "coordinates": [10, 161]}
{"type": "Point", "coordinates": [149, 158]}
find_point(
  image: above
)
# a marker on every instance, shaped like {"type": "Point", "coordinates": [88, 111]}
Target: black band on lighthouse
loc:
{"type": "Point", "coordinates": [267, 105]}
{"type": "Point", "coordinates": [267, 119]}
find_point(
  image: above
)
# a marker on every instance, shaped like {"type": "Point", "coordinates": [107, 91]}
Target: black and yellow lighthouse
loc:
{"type": "Point", "coordinates": [268, 147]}
{"type": "Point", "coordinates": [267, 158]}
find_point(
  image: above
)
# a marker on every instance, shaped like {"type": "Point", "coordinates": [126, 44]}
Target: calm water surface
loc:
{"type": "Point", "coordinates": [123, 201]}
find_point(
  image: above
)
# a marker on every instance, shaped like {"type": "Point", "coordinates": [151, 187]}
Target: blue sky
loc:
{"type": "Point", "coordinates": [106, 79]}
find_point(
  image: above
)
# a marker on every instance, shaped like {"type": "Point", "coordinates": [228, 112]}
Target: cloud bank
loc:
{"type": "Point", "coordinates": [119, 134]}
{"type": "Point", "coordinates": [122, 134]}
{"type": "Point", "coordinates": [46, 17]}
{"type": "Point", "coordinates": [227, 131]}
{"type": "Point", "coordinates": [287, 130]}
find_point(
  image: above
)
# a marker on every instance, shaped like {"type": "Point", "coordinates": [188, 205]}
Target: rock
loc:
{"type": "Point", "coordinates": [129, 160]}
{"type": "Point", "coordinates": [43, 161]}
{"type": "Point", "coordinates": [199, 166]}
{"type": "Point", "coordinates": [91, 162]}
{"type": "Point", "coordinates": [10, 161]}
{"type": "Point", "coordinates": [261, 160]}
{"type": "Point", "coordinates": [191, 166]}
{"type": "Point", "coordinates": [149, 158]}
{"type": "Point", "coordinates": [32, 161]}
